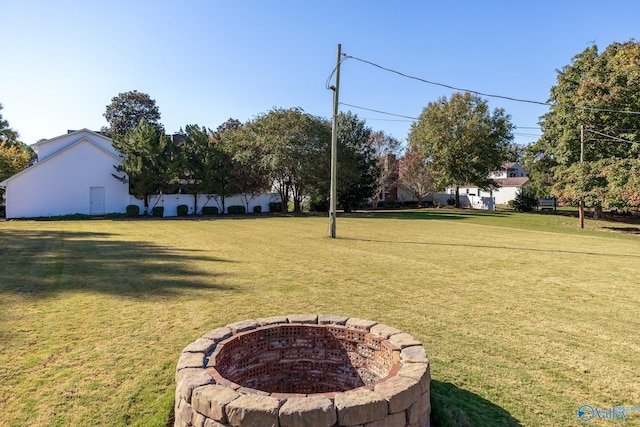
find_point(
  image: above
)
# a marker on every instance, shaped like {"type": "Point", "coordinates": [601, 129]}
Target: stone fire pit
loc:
{"type": "Point", "coordinates": [303, 370]}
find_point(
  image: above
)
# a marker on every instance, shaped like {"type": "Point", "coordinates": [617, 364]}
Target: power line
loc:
{"type": "Point", "coordinates": [388, 120]}
{"type": "Point", "coordinates": [411, 119]}
{"type": "Point", "coordinates": [509, 98]}
{"type": "Point", "coordinates": [442, 84]}
{"type": "Point", "coordinates": [378, 111]}
{"type": "Point", "coordinates": [527, 134]}
{"type": "Point", "coordinates": [611, 137]}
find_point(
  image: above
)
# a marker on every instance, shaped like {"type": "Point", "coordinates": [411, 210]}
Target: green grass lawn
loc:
{"type": "Point", "coordinates": [524, 316]}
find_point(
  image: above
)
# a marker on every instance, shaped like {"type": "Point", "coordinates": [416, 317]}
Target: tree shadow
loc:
{"type": "Point", "coordinates": [501, 247]}
{"type": "Point", "coordinates": [441, 214]}
{"type": "Point", "coordinates": [624, 230]}
{"type": "Point", "coordinates": [45, 263]}
{"type": "Point", "coordinates": [454, 407]}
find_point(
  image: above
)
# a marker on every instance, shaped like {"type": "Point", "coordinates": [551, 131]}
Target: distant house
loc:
{"type": "Point", "coordinates": [73, 175]}
{"type": "Point", "coordinates": [510, 179]}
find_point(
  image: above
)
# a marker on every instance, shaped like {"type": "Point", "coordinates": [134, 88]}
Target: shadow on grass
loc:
{"type": "Point", "coordinates": [625, 230]}
{"type": "Point", "coordinates": [454, 407]}
{"type": "Point", "coordinates": [45, 263]}
{"type": "Point", "coordinates": [442, 214]}
{"type": "Point", "coordinates": [500, 247]}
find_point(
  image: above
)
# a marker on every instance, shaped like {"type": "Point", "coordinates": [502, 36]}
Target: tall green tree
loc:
{"type": "Point", "coordinates": [190, 159]}
{"type": "Point", "coordinates": [594, 91]}
{"type": "Point", "coordinates": [463, 140]}
{"type": "Point", "coordinates": [239, 167]}
{"type": "Point", "coordinates": [127, 109]}
{"type": "Point", "coordinates": [14, 155]}
{"type": "Point", "coordinates": [13, 159]}
{"type": "Point", "coordinates": [290, 142]}
{"type": "Point", "coordinates": [6, 133]}
{"type": "Point", "coordinates": [146, 160]}
{"type": "Point", "coordinates": [358, 162]}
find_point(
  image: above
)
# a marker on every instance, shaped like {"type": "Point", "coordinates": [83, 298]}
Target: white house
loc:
{"type": "Point", "coordinates": [511, 178]}
{"type": "Point", "coordinates": [73, 175]}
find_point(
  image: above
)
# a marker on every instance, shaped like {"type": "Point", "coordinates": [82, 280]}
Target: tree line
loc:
{"type": "Point", "coordinates": [14, 154]}
{"type": "Point", "coordinates": [455, 141]}
{"type": "Point", "coordinates": [282, 150]}
{"type": "Point", "coordinates": [589, 150]}
{"type": "Point", "coordinates": [590, 146]}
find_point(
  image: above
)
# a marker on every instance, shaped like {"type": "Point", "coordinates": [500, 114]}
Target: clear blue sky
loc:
{"type": "Point", "coordinates": [206, 61]}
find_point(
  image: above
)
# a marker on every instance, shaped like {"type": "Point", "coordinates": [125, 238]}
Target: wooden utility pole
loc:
{"type": "Point", "coordinates": [581, 209]}
{"type": "Point", "coordinates": [334, 151]}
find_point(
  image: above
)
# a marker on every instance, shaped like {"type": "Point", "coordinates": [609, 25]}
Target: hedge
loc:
{"type": "Point", "coordinates": [133, 210]}
{"type": "Point", "coordinates": [210, 210]}
{"type": "Point", "coordinates": [183, 210]}
{"type": "Point", "coordinates": [236, 209]}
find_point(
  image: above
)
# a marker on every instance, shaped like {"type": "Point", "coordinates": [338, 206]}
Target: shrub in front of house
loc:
{"type": "Point", "coordinates": [133, 210]}
{"type": "Point", "coordinates": [525, 201]}
{"type": "Point", "coordinates": [158, 211]}
{"type": "Point", "coordinates": [451, 201]}
{"type": "Point", "coordinates": [257, 209]}
{"type": "Point", "coordinates": [236, 209]}
{"type": "Point", "coordinates": [318, 204]}
{"type": "Point", "coordinates": [210, 210]}
{"type": "Point", "coordinates": [183, 210]}
{"type": "Point", "coordinates": [275, 206]}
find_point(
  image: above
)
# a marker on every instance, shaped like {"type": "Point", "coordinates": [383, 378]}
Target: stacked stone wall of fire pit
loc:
{"type": "Point", "coordinates": [303, 370]}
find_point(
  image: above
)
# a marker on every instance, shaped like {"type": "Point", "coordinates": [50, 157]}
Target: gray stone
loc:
{"type": "Point", "coordinates": [243, 326]}
{"type": "Point", "coordinates": [219, 334]}
{"type": "Point", "coordinates": [211, 423]}
{"type": "Point", "coordinates": [403, 340]}
{"type": "Point", "coordinates": [418, 410]}
{"type": "Point", "coordinates": [415, 354]}
{"type": "Point", "coordinates": [183, 411]}
{"type": "Point", "coordinates": [418, 371]}
{"type": "Point", "coordinates": [275, 320]}
{"type": "Point", "coordinates": [211, 400]}
{"type": "Point", "coordinates": [400, 392]}
{"type": "Point", "coordinates": [360, 406]}
{"type": "Point", "coordinates": [253, 411]}
{"type": "Point", "coordinates": [190, 380]}
{"type": "Point", "coordinates": [303, 318]}
{"type": "Point", "coordinates": [312, 411]}
{"type": "Point", "coordinates": [394, 420]}
{"type": "Point", "coordinates": [252, 391]}
{"type": "Point", "coordinates": [197, 420]}
{"type": "Point", "coordinates": [181, 423]}
{"type": "Point", "coordinates": [356, 323]}
{"type": "Point", "coordinates": [201, 345]}
{"type": "Point", "coordinates": [384, 330]}
{"type": "Point", "coordinates": [190, 360]}
{"type": "Point", "coordinates": [330, 319]}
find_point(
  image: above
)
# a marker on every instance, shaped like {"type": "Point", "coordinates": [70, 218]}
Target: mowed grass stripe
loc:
{"type": "Point", "coordinates": [524, 318]}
